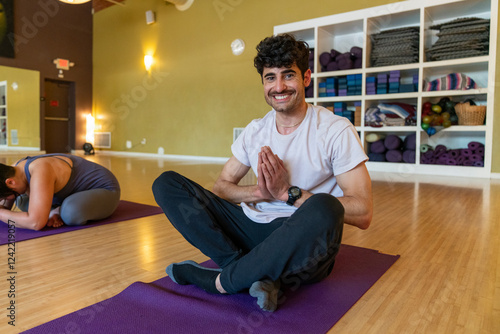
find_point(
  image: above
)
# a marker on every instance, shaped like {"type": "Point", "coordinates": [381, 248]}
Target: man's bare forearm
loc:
{"type": "Point", "coordinates": [235, 193]}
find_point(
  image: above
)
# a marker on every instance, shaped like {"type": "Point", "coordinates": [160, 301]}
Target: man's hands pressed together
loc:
{"type": "Point", "coordinates": [273, 179]}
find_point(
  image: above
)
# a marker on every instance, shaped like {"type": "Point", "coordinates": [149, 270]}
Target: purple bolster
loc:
{"type": "Point", "coordinates": [378, 146]}
{"type": "Point", "coordinates": [325, 58]}
{"type": "Point", "coordinates": [392, 142]}
{"type": "Point", "coordinates": [394, 156]}
{"type": "Point", "coordinates": [409, 156]}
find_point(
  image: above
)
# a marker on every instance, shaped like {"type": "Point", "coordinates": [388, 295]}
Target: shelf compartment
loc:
{"type": "Point", "coordinates": [477, 71]}
{"type": "Point", "coordinates": [341, 37]}
{"type": "Point", "coordinates": [391, 146]}
{"type": "Point", "coordinates": [382, 26]}
{"type": "Point", "coordinates": [439, 14]}
{"type": "Point", "coordinates": [392, 82]}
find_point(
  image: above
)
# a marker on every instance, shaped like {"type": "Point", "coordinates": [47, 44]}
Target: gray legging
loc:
{"type": "Point", "coordinates": [82, 206]}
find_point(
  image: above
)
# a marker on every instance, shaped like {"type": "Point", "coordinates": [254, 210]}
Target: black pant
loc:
{"type": "Point", "coordinates": [300, 248]}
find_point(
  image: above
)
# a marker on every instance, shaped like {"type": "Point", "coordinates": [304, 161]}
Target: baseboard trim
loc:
{"type": "Point", "coordinates": [193, 158]}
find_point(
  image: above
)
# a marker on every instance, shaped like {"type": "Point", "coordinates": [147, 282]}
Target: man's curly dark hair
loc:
{"type": "Point", "coordinates": [282, 50]}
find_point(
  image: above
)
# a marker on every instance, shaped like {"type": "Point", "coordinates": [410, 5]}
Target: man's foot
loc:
{"type": "Point", "coordinates": [190, 272]}
{"type": "Point", "coordinates": [266, 292]}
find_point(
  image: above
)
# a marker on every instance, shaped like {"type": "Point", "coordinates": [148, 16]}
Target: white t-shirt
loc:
{"type": "Point", "coordinates": [324, 145]}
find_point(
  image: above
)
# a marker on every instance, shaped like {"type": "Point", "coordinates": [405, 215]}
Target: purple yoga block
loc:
{"type": "Point", "coordinates": [378, 146]}
{"type": "Point", "coordinates": [392, 142]}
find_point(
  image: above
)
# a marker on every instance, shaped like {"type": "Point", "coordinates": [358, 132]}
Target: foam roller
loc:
{"type": "Point", "coordinates": [409, 156]}
{"type": "Point", "coordinates": [394, 156]}
{"type": "Point", "coordinates": [393, 142]}
{"type": "Point", "coordinates": [378, 146]}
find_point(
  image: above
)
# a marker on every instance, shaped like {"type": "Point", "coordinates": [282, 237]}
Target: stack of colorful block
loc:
{"type": "Point", "coordinates": [354, 84]}
{"type": "Point", "coordinates": [371, 85]}
{"type": "Point", "coordinates": [382, 79]}
{"type": "Point", "coordinates": [331, 86]}
{"type": "Point", "coordinates": [328, 88]}
{"type": "Point", "coordinates": [342, 86]}
{"type": "Point", "coordinates": [394, 78]}
{"type": "Point", "coordinates": [338, 108]}
{"type": "Point", "coordinates": [322, 89]}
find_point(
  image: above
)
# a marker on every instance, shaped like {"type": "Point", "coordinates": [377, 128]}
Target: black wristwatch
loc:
{"type": "Point", "coordinates": [294, 194]}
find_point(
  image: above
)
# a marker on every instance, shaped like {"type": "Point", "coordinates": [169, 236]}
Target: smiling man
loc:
{"type": "Point", "coordinates": [311, 179]}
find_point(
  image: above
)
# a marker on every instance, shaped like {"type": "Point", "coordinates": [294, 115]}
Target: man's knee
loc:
{"type": "Point", "coordinates": [325, 208]}
{"type": "Point", "coordinates": [164, 181]}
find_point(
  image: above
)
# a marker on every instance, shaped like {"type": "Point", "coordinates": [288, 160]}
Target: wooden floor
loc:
{"type": "Point", "coordinates": [445, 229]}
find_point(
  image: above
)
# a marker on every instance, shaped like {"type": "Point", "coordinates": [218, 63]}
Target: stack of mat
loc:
{"type": "Point", "coordinates": [395, 46]}
{"type": "Point", "coordinates": [461, 38]}
{"type": "Point", "coordinates": [472, 156]}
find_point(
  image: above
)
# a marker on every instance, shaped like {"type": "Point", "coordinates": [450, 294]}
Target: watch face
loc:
{"type": "Point", "coordinates": [295, 191]}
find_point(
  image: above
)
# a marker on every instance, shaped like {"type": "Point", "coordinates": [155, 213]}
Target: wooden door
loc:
{"type": "Point", "coordinates": [59, 110]}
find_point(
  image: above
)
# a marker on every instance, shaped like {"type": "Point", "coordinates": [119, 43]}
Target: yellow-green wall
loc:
{"type": "Point", "coordinates": [23, 106]}
{"type": "Point", "coordinates": [197, 91]}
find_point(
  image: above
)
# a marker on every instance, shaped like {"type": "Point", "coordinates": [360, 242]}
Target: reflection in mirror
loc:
{"type": "Point", "coordinates": [19, 109]}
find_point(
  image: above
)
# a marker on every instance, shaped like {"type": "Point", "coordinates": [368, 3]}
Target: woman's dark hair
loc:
{"type": "Point", "coordinates": [282, 51]}
{"type": "Point", "coordinates": [6, 172]}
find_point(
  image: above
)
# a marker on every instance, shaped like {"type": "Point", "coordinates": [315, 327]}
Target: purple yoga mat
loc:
{"type": "Point", "coordinates": [126, 210]}
{"type": "Point", "coordinates": [165, 307]}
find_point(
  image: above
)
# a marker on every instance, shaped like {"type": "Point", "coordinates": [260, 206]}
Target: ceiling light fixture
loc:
{"type": "Point", "coordinates": [74, 2]}
{"type": "Point", "coordinates": [181, 5]}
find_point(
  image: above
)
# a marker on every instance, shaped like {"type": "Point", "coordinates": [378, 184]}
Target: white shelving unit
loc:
{"type": "Point", "coordinates": [343, 31]}
{"type": "Point", "coordinates": [3, 113]}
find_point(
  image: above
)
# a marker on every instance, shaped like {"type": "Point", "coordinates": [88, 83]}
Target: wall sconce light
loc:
{"type": "Point", "coordinates": [89, 137]}
{"type": "Point", "coordinates": [148, 62]}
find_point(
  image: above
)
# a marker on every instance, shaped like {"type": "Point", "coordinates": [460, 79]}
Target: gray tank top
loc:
{"type": "Point", "coordinates": [85, 175]}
